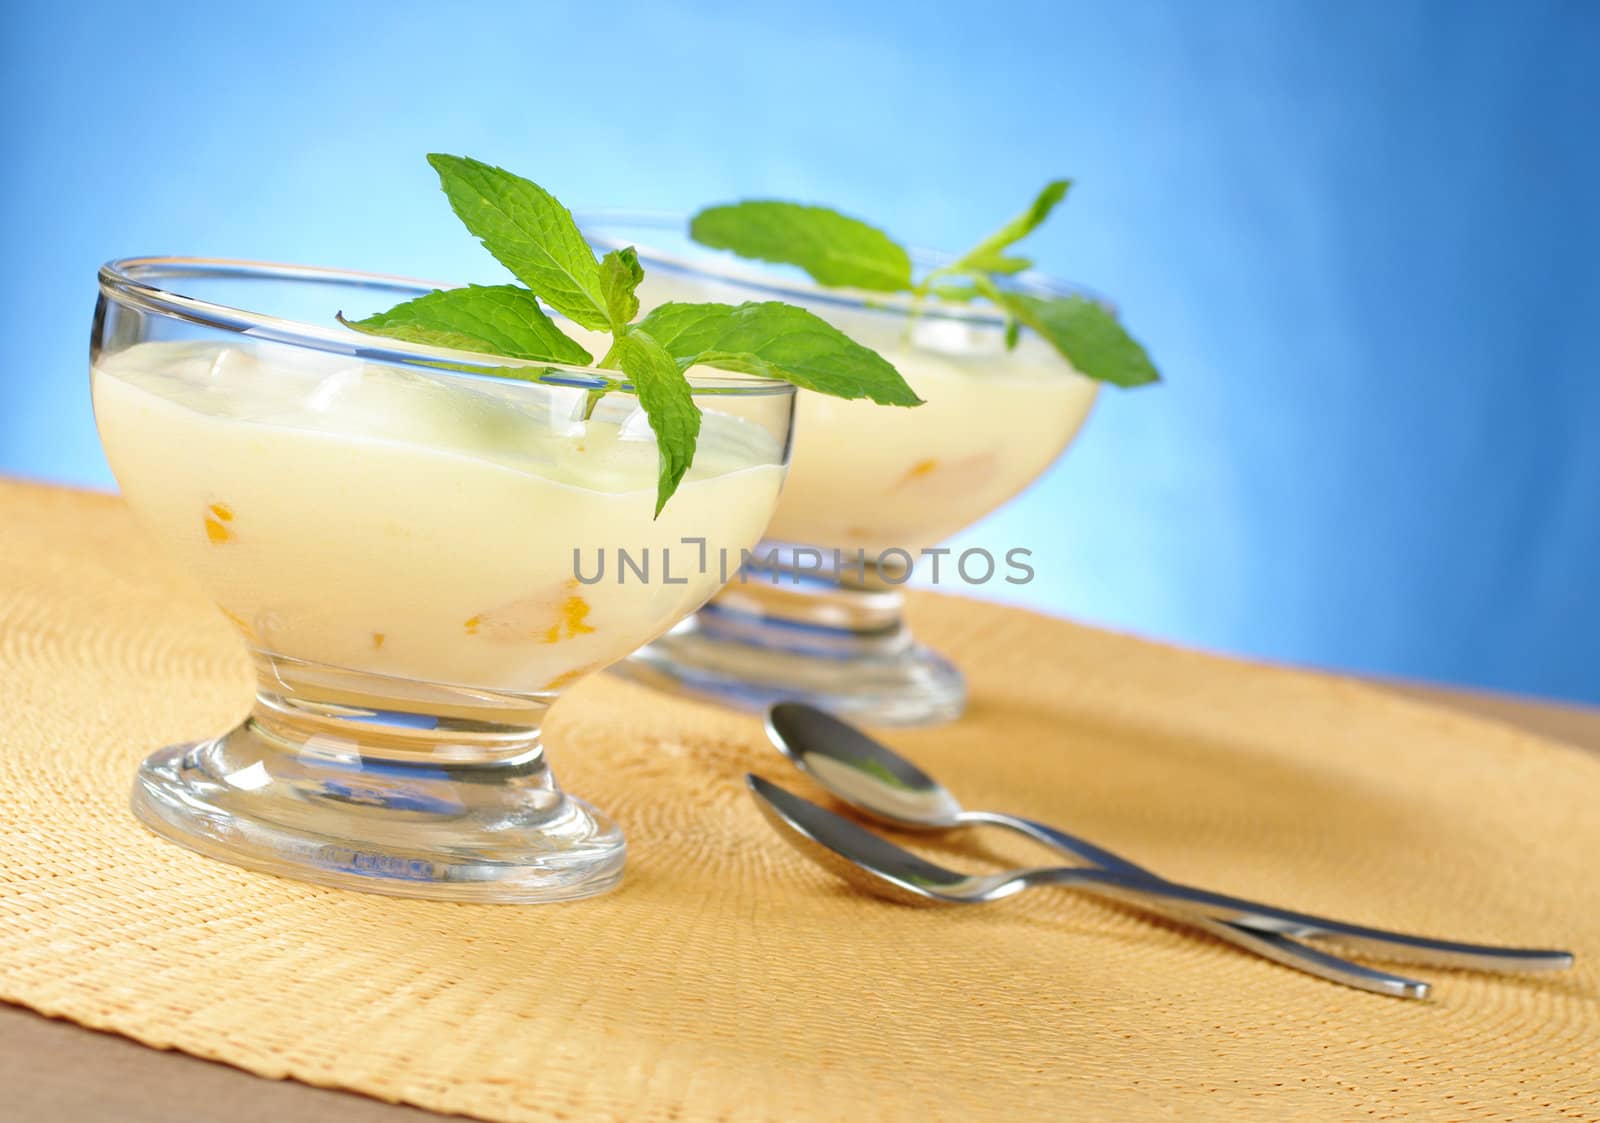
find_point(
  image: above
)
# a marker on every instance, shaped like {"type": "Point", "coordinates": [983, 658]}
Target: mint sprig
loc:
{"type": "Point", "coordinates": [842, 252]}
{"type": "Point", "coordinates": [528, 231]}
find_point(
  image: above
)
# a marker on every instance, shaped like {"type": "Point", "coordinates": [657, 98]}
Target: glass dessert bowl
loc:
{"type": "Point", "coordinates": [397, 537]}
{"type": "Point", "coordinates": [818, 618]}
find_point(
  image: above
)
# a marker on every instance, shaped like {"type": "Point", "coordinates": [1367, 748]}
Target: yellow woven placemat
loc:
{"type": "Point", "coordinates": [728, 979]}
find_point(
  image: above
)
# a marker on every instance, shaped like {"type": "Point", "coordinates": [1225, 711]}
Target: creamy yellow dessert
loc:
{"type": "Point", "coordinates": [380, 519]}
{"type": "Point", "coordinates": [869, 478]}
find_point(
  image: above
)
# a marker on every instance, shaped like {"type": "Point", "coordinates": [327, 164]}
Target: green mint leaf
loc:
{"type": "Point", "coordinates": [835, 249]}
{"type": "Point", "coordinates": [1086, 334]}
{"type": "Point", "coordinates": [985, 253]}
{"type": "Point", "coordinates": [528, 232]}
{"type": "Point", "coordinates": [497, 319]}
{"type": "Point", "coordinates": [620, 274]}
{"type": "Point", "coordinates": [773, 340]}
{"type": "Point", "coordinates": [1000, 264]}
{"type": "Point", "coordinates": [668, 403]}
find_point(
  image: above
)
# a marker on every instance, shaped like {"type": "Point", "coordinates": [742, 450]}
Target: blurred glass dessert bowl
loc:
{"type": "Point", "coordinates": [867, 492]}
{"type": "Point", "coordinates": [395, 534]}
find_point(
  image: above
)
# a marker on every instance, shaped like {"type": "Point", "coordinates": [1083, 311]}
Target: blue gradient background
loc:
{"type": "Point", "coordinates": [1359, 238]}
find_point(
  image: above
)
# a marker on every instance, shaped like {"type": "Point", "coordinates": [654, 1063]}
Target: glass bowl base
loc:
{"type": "Point", "coordinates": [874, 684]}
{"type": "Point", "coordinates": [497, 831]}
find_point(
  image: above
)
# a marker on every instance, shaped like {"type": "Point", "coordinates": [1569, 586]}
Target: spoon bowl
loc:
{"type": "Point", "coordinates": [836, 844]}
{"type": "Point", "coordinates": [860, 770]}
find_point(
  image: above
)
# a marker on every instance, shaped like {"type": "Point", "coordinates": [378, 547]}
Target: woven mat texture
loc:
{"type": "Point", "coordinates": [728, 979]}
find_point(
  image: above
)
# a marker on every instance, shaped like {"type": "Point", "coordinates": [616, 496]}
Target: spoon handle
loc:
{"type": "Point", "coordinates": [1303, 957]}
{"type": "Point", "coordinates": [1287, 922]}
{"type": "Point", "coordinates": [1270, 945]}
{"type": "Point", "coordinates": [1060, 840]}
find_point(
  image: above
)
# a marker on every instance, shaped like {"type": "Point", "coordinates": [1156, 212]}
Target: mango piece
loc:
{"type": "Point", "coordinates": [574, 613]}
{"type": "Point", "coordinates": [216, 517]}
{"type": "Point", "coordinates": [538, 619]}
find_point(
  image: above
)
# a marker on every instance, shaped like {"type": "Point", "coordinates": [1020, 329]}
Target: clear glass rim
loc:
{"type": "Point", "coordinates": [724, 266]}
{"type": "Point", "coordinates": [132, 281]}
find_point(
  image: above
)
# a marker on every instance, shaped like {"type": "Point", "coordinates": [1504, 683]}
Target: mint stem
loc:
{"type": "Point", "coordinates": [609, 361]}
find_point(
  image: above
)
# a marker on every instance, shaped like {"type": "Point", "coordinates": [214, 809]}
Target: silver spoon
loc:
{"type": "Point", "coordinates": [873, 778]}
{"type": "Point", "coordinates": [880, 866]}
